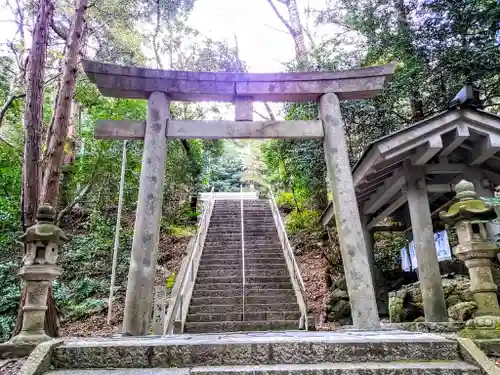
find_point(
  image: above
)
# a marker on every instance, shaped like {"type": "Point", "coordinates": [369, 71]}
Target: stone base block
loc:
{"type": "Point", "coordinates": [482, 328]}
{"type": "Point", "coordinates": [10, 350]}
{"type": "Point", "coordinates": [29, 338]}
{"type": "Point", "coordinates": [429, 327]}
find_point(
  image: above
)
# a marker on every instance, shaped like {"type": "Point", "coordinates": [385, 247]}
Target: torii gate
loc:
{"type": "Point", "coordinates": [160, 87]}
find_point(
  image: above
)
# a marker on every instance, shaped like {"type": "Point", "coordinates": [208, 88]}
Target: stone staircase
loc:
{"type": "Point", "coordinates": [270, 353]}
{"type": "Point", "coordinates": [220, 303]}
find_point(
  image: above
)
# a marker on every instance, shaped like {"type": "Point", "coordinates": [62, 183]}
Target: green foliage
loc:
{"type": "Point", "coordinates": [9, 298]}
{"type": "Point", "coordinates": [302, 221]}
{"type": "Point", "coordinates": [388, 249]}
{"type": "Point", "coordinates": [288, 201]}
{"type": "Point", "coordinates": [225, 172]}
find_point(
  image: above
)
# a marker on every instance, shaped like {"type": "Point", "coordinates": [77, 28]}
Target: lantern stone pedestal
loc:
{"type": "Point", "coordinates": [42, 242]}
{"type": "Point", "coordinates": [470, 217]}
{"type": "Point", "coordinates": [37, 279]}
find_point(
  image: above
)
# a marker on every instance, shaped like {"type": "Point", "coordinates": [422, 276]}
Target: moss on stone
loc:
{"type": "Point", "coordinates": [480, 333]}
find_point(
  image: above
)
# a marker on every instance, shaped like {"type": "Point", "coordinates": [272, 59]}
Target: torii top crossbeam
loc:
{"type": "Point", "coordinates": [135, 82]}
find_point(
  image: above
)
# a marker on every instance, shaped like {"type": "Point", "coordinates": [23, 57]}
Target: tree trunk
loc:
{"type": "Point", "coordinates": [69, 155]}
{"type": "Point", "coordinates": [57, 137]}
{"type": "Point", "coordinates": [295, 29]}
{"type": "Point", "coordinates": [33, 114]}
{"type": "Point", "coordinates": [298, 33]}
{"type": "Point", "coordinates": [405, 34]}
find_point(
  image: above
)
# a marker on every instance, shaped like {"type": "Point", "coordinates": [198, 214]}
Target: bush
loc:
{"type": "Point", "coordinates": [286, 201]}
{"type": "Point", "coordinates": [9, 298]}
{"type": "Point", "coordinates": [388, 249]}
{"type": "Point", "coordinates": [304, 220]}
{"type": "Point", "coordinates": [78, 310]}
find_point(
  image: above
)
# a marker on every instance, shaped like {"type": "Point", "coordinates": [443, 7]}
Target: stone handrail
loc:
{"type": "Point", "coordinates": [243, 276]}
{"type": "Point", "coordinates": [183, 288]}
{"type": "Point", "coordinates": [293, 267]}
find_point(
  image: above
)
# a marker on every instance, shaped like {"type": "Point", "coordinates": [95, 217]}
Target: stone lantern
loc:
{"type": "Point", "coordinates": [39, 269]}
{"type": "Point", "coordinates": [470, 217]}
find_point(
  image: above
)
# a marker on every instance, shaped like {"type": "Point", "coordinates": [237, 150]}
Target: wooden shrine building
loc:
{"type": "Point", "coordinates": [409, 175]}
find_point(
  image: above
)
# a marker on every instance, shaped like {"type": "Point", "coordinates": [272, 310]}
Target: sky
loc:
{"type": "Point", "coordinates": [263, 40]}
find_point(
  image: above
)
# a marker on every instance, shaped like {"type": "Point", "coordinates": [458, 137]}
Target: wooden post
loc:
{"type": "Point", "coordinates": [138, 301]}
{"type": "Point", "coordinates": [117, 232]}
{"type": "Point", "coordinates": [352, 242]}
{"type": "Point", "coordinates": [425, 248]}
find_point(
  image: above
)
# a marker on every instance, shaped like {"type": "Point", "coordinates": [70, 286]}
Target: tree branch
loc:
{"type": "Point", "coordinates": [6, 142]}
{"type": "Point", "coordinates": [282, 19]}
{"type": "Point", "coordinates": [59, 30]}
{"type": "Point", "coordinates": [186, 146]}
{"type": "Point", "coordinates": [261, 115]}
{"type": "Point", "coordinates": [309, 36]}
{"type": "Point", "coordinates": [77, 199]}
{"type": "Point", "coordinates": [156, 43]}
{"type": "Point", "coordinates": [269, 111]}
{"type": "Point", "coordinates": [7, 105]}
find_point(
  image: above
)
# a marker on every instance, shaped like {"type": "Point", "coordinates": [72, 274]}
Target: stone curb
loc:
{"type": "Point", "coordinates": [471, 353]}
{"type": "Point", "coordinates": [40, 359]}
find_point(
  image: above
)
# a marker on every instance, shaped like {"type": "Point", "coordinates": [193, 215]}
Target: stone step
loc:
{"type": "Point", "coordinates": [209, 256]}
{"type": "Point", "coordinates": [274, 253]}
{"type": "Point", "coordinates": [237, 213]}
{"type": "Point", "coordinates": [264, 259]}
{"type": "Point", "coordinates": [218, 273]}
{"type": "Point", "coordinates": [266, 272]}
{"type": "Point", "coordinates": [237, 286]}
{"type": "Point", "coordinates": [237, 222]}
{"type": "Point", "coordinates": [222, 261]}
{"type": "Point", "coordinates": [236, 326]}
{"type": "Point", "coordinates": [251, 214]}
{"type": "Point", "coordinates": [340, 368]}
{"type": "Point", "coordinates": [238, 300]}
{"type": "Point", "coordinates": [237, 279]}
{"type": "Point", "coordinates": [251, 230]}
{"type": "Point", "coordinates": [247, 213]}
{"type": "Point", "coordinates": [221, 309]}
{"type": "Point", "coordinates": [249, 267]}
{"type": "Point", "coordinates": [231, 272]}
{"type": "Point", "coordinates": [236, 260]}
{"type": "Point", "coordinates": [255, 350]}
{"type": "Point", "coordinates": [218, 221]}
{"type": "Point", "coordinates": [248, 248]}
{"type": "Point", "coordinates": [266, 246]}
{"type": "Point", "coordinates": [248, 237]}
{"type": "Point", "coordinates": [254, 292]}
{"type": "Point", "coordinates": [223, 254]}
{"type": "Point", "coordinates": [250, 244]}
{"type": "Point", "coordinates": [238, 316]}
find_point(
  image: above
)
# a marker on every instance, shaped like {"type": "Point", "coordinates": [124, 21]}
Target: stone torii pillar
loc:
{"type": "Point", "coordinates": [425, 247]}
{"type": "Point", "coordinates": [138, 301]}
{"type": "Point", "coordinates": [352, 242]}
